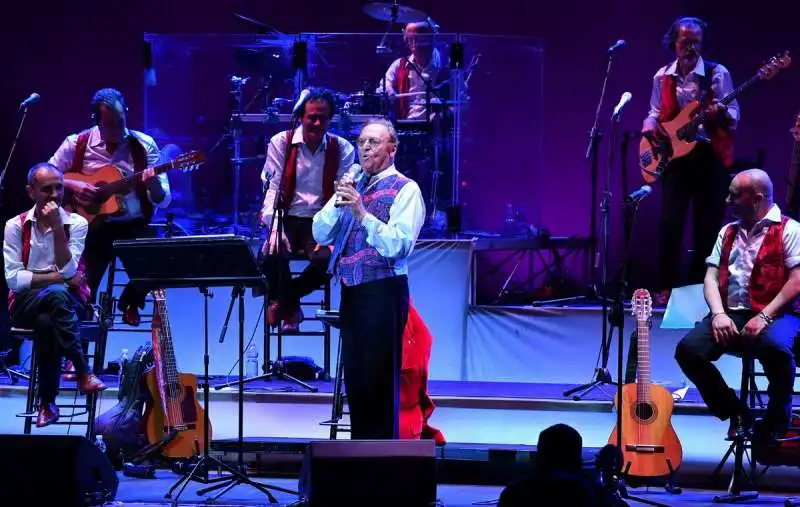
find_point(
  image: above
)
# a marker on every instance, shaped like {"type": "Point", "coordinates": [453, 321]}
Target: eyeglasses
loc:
{"type": "Point", "coordinates": [363, 142]}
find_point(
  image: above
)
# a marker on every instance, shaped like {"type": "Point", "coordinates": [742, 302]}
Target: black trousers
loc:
{"type": "Point", "coordinates": [373, 317]}
{"type": "Point", "coordinates": [54, 314]}
{"type": "Point", "coordinates": [701, 180]}
{"type": "Point", "coordinates": [774, 350]}
{"type": "Point", "coordinates": [99, 252]}
{"type": "Point", "coordinates": [282, 287]}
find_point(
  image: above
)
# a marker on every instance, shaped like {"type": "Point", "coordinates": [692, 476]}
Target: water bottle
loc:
{"type": "Point", "coordinates": [251, 363]}
{"type": "Point", "coordinates": [100, 443]}
{"type": "Point", "coordinates": [123, 360]}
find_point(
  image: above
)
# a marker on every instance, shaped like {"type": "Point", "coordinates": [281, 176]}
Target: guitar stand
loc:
{"type": "Point", "coordinates": [668, 482]}
{"type": "Point", "coordinates": [740, 479]}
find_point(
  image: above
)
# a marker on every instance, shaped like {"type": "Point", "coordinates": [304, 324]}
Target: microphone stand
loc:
{"type": "Point", "coordinates": [11, 153]}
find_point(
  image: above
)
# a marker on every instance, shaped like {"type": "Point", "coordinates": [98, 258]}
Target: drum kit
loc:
{"type": "Point", "coordinates": [424, 151]}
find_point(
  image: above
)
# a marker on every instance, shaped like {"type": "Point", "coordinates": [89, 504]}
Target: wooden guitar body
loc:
{"type": "Point", "coordinates": [654, 159]}
{"type": "Point", "coordinates": [188, 440]}
{"type": "Point", "coordinates": [108, 206]}
{"type": "Point", "coordinates": [649, 442]}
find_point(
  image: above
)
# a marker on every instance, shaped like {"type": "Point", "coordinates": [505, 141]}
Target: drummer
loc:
{"type": "Point", "coordinates": [403, 77]}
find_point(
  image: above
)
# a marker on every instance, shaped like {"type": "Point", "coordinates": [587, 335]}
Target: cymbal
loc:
{"type": "Point", "coordinates": [383, 12]}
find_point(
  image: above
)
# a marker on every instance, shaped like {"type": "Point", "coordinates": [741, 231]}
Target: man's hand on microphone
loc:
{"type": "Point", "coordinates": [352, 199]}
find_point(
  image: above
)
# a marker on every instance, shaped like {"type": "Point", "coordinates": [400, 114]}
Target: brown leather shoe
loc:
{"type": "Point", "coordinates": [89, 383]}
{"type": "Point", "coordinates": [273, 314]}
{"type": "Point", "coordinates": [292, 324]}
{"type": "Point", "coordinates": [48, 414]}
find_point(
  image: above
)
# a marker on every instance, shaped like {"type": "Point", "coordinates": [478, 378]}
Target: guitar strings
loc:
{"type": "Point", "coordinates": [174, 389]}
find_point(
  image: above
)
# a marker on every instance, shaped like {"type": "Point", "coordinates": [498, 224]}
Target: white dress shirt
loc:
{"type": "Point", "coordinates": [394, 239]}
{"type": "Point", "coordinates": [745, 251]}
{"type": "Point", "coordinates": [416, 84]}
{"type": "Point", "coordinates": [308, 197]}
{"type": "Point", "coordinates": [96, 157]}
{"type": "Point", "coordinates": [42, 258]}
{"type": "Point", "coordinates": [687, 88]}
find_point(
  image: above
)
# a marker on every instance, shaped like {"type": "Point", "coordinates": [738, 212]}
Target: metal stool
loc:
{"type": "Point", "coordinates": [331, 318]}
{"type": "Point", "coordinates": [92, 331]}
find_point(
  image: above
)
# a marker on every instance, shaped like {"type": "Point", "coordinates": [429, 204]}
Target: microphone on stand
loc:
{"type": "Point", "coordinates": [614, 47]}
{"type": "Point", "coordinates": [626, 97]}
{"type": "Point", "coordinates": [639, 194]}
{"type": "Point", "coordinates": [33, 99]}
{"type": "Point", "coordinates": [352, 172]}
{"type": "Point", "coordinates": [301, 100]}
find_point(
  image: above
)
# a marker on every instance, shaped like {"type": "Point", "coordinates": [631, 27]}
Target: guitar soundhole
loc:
{"type": "Point", "coordinates": [644, 412]}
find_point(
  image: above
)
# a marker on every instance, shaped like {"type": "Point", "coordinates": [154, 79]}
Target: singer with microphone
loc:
{"type": "Point", "coordinates": [373, 232]}
{"type": "Point", "coordinates": [301, 169]}
{"type": "Point", "coordinates": [42, 251]}
{"type": "Point", "coordinates": [701, 177]}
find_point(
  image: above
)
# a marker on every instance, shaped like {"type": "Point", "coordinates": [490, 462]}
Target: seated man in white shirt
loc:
{"type": "Point", "coordinates": [302, 167]}
{"type": "Point", "coordinates": [111, 142]}
{"type": "Point", "coordinates": [751, 287]}
{"type": "Point", "coordinates": [373, 224]}
{"type": "Point", "coordinates": [42, 250]}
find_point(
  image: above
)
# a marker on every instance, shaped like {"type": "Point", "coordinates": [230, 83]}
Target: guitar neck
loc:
{"type": "Point", "coordinates": [643, 354]}
{"type": "Point", "coordinates": [727, 99]}
{"type": "Point", "coordinates": [168, 364]}
{"type": "Point", "coordinates": [126, 182]}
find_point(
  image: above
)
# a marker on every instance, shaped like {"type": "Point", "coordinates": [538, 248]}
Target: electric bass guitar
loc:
{"type": "Point", "coordinates": [111, 185]}
{"type": "Point", "coordinates": [173, 414]}
{"type": "Point", "coordinates": [650, 445]}
{"type": "Point", "coordinates": [679, 136]}
{"type": "Point", "coordinates": [792, 199]}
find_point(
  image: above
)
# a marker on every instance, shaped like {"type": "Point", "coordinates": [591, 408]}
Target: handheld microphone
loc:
{"type": "Point", "coordinates": [638, 195]}
{"type": "Point", "coordinates": [614, 47]}
{"type": "Point", "coordinates": [352, 173]}
{"type": "Point", "coordinates": [33, 99]}
{"type": "Point", "coordinates": [626, 97]}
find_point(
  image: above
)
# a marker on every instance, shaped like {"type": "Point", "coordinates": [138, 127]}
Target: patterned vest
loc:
{"type": "Point", "coordinates": [359, 262]}
{"type": "Point", "coordinates": [769, 269]}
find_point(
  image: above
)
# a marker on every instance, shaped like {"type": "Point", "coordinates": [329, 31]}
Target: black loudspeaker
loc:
{"type": "Point", "coordinates": [54, 470]}
{"type": "Point", "coordinates": [369, 472]}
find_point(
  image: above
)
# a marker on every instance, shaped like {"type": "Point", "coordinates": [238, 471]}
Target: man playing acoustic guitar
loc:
{"type": "Point", "coordinates": [751, 286]}
{"type": "Point", "coordinates": [110, 142]}
{"type": "Point", "coordinates": [42, 249]}
{"type": "Point", "coordinates": [701, 176]}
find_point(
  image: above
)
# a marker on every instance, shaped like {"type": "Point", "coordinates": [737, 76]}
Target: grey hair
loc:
{"type": "Point", "coordinates": [377, 120]}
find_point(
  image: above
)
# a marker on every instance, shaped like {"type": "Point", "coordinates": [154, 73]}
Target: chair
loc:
{"type": "Point", "coordinates": [323, 304]}
{"type": "Point", "coordinates": [93, 331]}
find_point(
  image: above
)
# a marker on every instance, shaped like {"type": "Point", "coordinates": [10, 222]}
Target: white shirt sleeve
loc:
{"type": "Point", "coordinates": [655, 98]}
{"type": "Point", "coordinates": [722, 85]}
{"type": "Point", "coordinates": [273, 169]}
{"type": "Point", "coordinates": [17, 277]}
{"type": "Point", "coordinates": [396, 238]}
{"type": "Point", "coordinates": [153, 159]}
{"type": "Point", "coordinates": [65, 154]}
{"type": "Point", "coordinates": [77, 241]}
{"type": "Point", "coordinates": [791, 244]}
{"type": "Point", "coordinates": [326, 224]}
{"type": "Point", "coordinates": [713, 259]}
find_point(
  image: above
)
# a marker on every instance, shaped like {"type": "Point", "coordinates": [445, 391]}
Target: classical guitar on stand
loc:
{"type": "Point", "coordinates": [650, 445]}
{"type": "Point", "coordinates": [111, 184]}
{"type": "Point", "coordinates": [173, 414]}
{"type": "Point", "coordinates": [680, 134]}
{"type": "Point", "coordinates": [792, 199]}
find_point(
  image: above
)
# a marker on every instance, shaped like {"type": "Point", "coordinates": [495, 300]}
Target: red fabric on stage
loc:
{"type": "Point", "coordinates": [416, 406]}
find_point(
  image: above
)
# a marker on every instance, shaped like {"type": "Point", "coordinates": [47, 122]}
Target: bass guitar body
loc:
{"type": "Point", "coordinates": [186, 439]}
{"type": "Point", "coordinates": [108, 205]}
{"type": "Point", "coordinates": [649, 442]}
{"type": "Point", "coordinates": [653, 158]}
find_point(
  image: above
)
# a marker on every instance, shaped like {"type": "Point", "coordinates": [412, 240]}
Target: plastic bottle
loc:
{"type": "Point", "coordinates": [251, 361]}
{"type": "Point", "coordinates": [100, 443]}
{"type": "Point", "coordinates": [123, 360]}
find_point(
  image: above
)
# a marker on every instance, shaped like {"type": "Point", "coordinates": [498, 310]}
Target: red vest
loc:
{"type": "Point", "coordinates": [82, 291]}
{"type": "Point", "coordinates": [290, 169]}
{"type": "Point", "coordinates": [769, 271]}
{"type": "Point", "coordinates": [139, 156]}
{"type": "Point", "coordinates": [402, 85]}
{"type": "Point", "coordinates": [721, 137]}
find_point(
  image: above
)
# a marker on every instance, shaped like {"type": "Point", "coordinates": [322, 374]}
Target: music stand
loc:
{"type": "Point", "coordinates": [201, 262]}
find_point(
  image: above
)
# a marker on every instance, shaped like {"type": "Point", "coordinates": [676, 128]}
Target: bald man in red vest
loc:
{"type": "Point", "coordinates": [701, 177]}
{"type": "Point", "coordinates": [302, 167]}
{"type": "Point", "coordinates": [751, 286]}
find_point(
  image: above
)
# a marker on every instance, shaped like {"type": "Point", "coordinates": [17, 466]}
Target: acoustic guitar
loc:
{"type": "Point", "coordinates": [650, 445]}
{"type": "Point", "coordinates": [111, 185]}
{"type": "Point", "coordinates": [680, 134]}
{"type": "Point", "coordinates": [792, 199]}
{"type": "Point", "coordinates": [173, 413]}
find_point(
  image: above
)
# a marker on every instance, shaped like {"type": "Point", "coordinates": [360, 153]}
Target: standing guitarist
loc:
{"type": "Point", "coordinates": [111, 142]}
{"type": "Point", "coordinates": [701, 177]}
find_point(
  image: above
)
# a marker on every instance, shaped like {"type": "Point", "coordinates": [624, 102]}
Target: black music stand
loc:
{"type": "Point", "coordinates": [201, 262]}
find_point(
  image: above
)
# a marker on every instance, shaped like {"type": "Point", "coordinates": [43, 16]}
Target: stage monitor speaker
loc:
{"type": "Point", "coordinates": [369, 472]}
{"type": "Point", "coordinates": [58, 470]}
